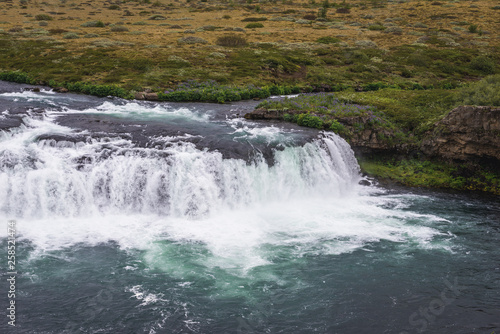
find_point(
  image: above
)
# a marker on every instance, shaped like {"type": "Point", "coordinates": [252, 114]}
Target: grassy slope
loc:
{"type": "Point", "coordinates": [134, 51]}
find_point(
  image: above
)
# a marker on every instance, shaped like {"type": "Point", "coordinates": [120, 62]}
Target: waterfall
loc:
{"type": "Point", "coordinates": [59, 178]}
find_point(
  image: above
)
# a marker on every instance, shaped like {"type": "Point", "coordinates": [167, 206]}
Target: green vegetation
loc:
{"type": "Point", "coordinates": [43, 17]}
{"type": "Point", "coordinates": [483, 93]}
{"type": "Point", "coordinates": [98, 24]}
{"type": "Point", "coordinates": [430, 174]}
{"type": "Point", "coordinates": [254, 25]}
{"type": "Point", "coordinates": [328, 40]}
{"type": "Point", "coordinates": [211, 91]}
{"type": "Point", "coordinates": [231, 41]}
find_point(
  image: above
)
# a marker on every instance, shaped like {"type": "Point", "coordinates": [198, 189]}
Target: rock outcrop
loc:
{"type": "Point", "coordinates": [466, 133]}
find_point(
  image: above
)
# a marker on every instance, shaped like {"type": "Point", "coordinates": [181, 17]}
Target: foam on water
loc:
{"type": "Point", "coordinates": [232, 214]}
{"type": "Point", "coordinates": [144, 110]}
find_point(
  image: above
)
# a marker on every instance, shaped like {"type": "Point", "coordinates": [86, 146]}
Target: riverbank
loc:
{"type": "Point", "coordinates": [415, 138]}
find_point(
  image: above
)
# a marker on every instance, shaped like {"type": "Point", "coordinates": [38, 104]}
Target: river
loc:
{"type": "Point", "coordinates": [144, 217]}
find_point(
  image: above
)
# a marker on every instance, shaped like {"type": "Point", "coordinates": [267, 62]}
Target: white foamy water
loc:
{"type": "Point", "coordinates": [308, 202]}
{"type": "Point", "coordinates": [135, 109]}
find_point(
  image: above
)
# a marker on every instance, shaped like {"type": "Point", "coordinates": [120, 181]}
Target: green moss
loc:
{"type": "Point", "coordinates": [430, 174]}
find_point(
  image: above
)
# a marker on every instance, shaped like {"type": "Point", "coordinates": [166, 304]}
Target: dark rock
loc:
{"type": "Point", "coordinates": [60, 90]}
{"type": "Point", "coordinates": [365, 183]}
{"type": "Point", "coordinates": [467, 132]}
{"type": "Point", "coordinates": [32, 89]}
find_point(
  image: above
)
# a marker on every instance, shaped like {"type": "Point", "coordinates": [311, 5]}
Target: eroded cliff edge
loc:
{"type": "Point", "coordinates": [466, 133]}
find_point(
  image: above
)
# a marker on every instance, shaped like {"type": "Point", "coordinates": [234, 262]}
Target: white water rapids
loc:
{"type": "Point", "coordinates": [108, 189]}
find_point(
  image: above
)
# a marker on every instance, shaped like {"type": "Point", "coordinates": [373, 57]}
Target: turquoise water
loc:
{"type": "Point", "coordinates": [170, 218]}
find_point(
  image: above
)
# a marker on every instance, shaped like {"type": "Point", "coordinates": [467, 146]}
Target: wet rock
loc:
{"type": "Point", "coordinates": [60, 90]}
{"type": "Point", "coordinates": [365, 183]}
{"type": "Point", "coordinates": [32, 89]}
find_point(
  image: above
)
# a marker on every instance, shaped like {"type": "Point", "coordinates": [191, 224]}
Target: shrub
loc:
{"type": "Point", "coordinates": [157, 17]}
{"type": "Point", "coordinates": [231, 40]}
{"type": "Point", "coordinates": [192, 40]}
{"type": "Point", "coordinates": [254, 19]}
{"type": "Point", "coordinates": [254, 25]}
{"type": "Point", "coordinates": [16, 29]}
{"type": "Point", "coordinates": [114, 7]}
{"type": "Point", "coordinates": [473, 28]}
{"type": "Point", "coordinates": [420, 25]}
{"type": "Point", "coordinates": [406, 73]}
{"type": "Point", "coordinates": [484, 93]}
{"type": "Point", "coordinates": [343, 10]}
{"type": "Point", "coordinates": [43, 17]}
{"type": "Point", "coordinates": [327, 40]}
{"type": "Point", "coordinates": [226, 17]}
{"type": "Point", "coordinates": [394, 30]}
{"type": "Point", "coordinates": [310, 17]}
{"type": "Point", "coordinates": [336, 126]}
{"type": "Point", "coordinates": [43, 23]}
{"type": "Point", "coordinates": [70, 35]}
{"type": "Point", "coordinates": [376, 27]}
{"type": "Point", "coordinates": [310, 121]}
{"type": "Point", "coordinates": [57, 31]}
{"type": "Point", "coordinates": [483, 64]}
{"type": "Point", "coordinates": [98, 24]}
{"type": "Point", "coordinates": [366, 44]}
{"type": "Point", "coordinates": [119, 29]}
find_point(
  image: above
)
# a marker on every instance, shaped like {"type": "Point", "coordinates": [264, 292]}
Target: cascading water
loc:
{"type": "Point", "coordinates": [137, 217]}
{"type": "Point", "coordinates": [50, 178]}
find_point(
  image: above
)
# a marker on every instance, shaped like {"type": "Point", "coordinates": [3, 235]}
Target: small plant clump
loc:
{"type": "Point", "coordinates": [254, 19]}
{"type": "Point", "coordinates": [254, 25]}
{"type": "Point", "coordinates": [43, 17]}
{"type": "Point", "coordinates": [231, 41]}
{"type": "Point", "coordinates": [192, 40]}
{"type": "Point", "coordinates": [328, 40]}
{"type": "Point", "coordinates": [119, 29]}
{"type": "Point", "coordinates": [94, 24]}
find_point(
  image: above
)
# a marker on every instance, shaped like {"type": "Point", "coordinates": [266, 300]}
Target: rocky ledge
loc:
{"type": "Point", "coordinates": [466, 133]}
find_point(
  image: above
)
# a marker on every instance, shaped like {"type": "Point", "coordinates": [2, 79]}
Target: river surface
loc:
{"type": "Point", "coordinates": [142, 217]}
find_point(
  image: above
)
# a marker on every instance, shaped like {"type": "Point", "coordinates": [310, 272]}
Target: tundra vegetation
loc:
{"type": "Point", "coordinates": [411, 61]}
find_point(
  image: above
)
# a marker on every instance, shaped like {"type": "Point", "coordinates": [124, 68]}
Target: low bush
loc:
{"type": "Point", "coordinates": [254, 25]}
{"type": "Point", "coordinates": [57, 31]}
{"type": "Point", "coordinates": [309, 17]}
{"type": "Point", "coordinates": [192, 40]}
{"type": "Point", "coordinates": [483, 93]}
{"type": "Point", "coordinates": [328, 40]}
{"type": "Point", "coordinates": [43, 17]}
{"type": "Point", "coordinates": [483, 64]}
{"type": "Point", "coordinates": [157, 17]}
{"type": "Point", "coordinates": [231, 41]}
{"type": "Point", "coordinates": [119, 29]}
{"type": "Point", "coordinates": [376, 27]}
{"type": "Point", "coordinates": [70, 35]}
{"type": "Point", "coordinates": [254, 19]}
{"type": "Point", "coordinates": [93, 24]}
